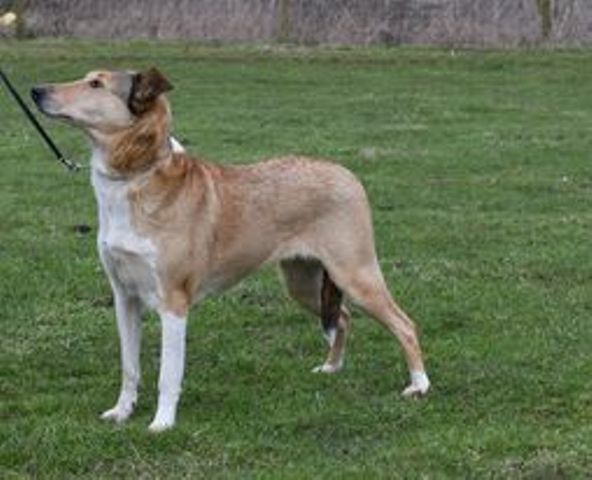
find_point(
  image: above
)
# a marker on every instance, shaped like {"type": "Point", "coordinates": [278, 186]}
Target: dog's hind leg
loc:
{"type": "Point", "coordinates": [334, 319]}
{"type": "Point", "coordinates": [309, 284]}
{"type": "Point", "coordinates": [128, 310]}
{"type": "Point", "coordinates": [365, 285]}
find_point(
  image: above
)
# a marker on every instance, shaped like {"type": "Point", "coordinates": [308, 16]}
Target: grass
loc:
{"type": "Point", "coordinates": [477, 165]}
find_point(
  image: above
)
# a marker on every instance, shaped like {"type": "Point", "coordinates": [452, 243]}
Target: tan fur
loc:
{"type": "Point", "coordinates": [212, 225]}
{"type": "Point", "coordinates": [135, 148]}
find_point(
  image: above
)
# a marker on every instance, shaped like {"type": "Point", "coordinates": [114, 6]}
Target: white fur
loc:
{"type": "Point", "coordinates": [128, 311]}
{"type": "Point", "coordinates": [328, 367]}
{"type": "Point", "coordinates": [130, 261]}
{"type": "Point", "coordinates": [172, 364]}
{"type": "Point", "coordinates": [420, 384]}
{"type": "Point", "coordinates": [330, 336]}
{"type": "Point", "coordinates": [176, 145]}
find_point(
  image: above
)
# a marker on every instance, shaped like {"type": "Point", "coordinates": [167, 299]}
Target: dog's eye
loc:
{"type": "Point", "coordinates": [95, 83]}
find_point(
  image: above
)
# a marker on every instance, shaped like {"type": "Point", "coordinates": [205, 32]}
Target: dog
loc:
{"type": "Point", "coordinates": [174, 229]}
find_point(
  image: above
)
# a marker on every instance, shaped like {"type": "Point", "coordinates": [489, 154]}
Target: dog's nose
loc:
{"type": "Point", "coordinates": [37, 94]}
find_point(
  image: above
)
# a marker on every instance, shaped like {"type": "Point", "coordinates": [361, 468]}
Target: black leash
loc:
{"type": "Point", "coordinates": [50, 143]}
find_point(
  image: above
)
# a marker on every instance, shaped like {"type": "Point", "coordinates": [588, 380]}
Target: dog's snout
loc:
{"type": "Point", "coordinates": [37, 94]}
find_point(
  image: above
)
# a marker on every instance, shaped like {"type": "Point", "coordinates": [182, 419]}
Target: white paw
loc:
{"type": "Point", "coordinates": [420, 384]}
{"type": "Point", "coordinates": [327, 368]}
{"type": "Point", "coordinates": [118, 414]}
{"type": "Point", "coordinates": [161, 424]}
{"type": "Point", "coordinates": [414, 391]}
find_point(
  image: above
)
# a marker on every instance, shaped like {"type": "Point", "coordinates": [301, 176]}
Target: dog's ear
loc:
{"type": "Point", "coordinates": [146, 87]}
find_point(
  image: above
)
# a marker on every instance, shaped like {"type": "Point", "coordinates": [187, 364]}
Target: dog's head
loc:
{"type": "Point", "coordinates": [103, 101]}
{"type": "Point", "coordinates": [124, 113]}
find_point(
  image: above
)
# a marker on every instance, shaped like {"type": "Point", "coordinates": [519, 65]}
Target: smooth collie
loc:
{"type": "Point", "coordinates": [174, 229]}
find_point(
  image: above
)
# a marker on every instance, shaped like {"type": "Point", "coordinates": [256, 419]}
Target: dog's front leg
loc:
{"type": "Point", "coordinates": [128, 310]}
{"type": "Point", "coordinates": [172, 364]}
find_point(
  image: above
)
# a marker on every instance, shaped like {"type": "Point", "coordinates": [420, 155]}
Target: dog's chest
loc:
{"type": "Point", "coordinates": [129, 258]}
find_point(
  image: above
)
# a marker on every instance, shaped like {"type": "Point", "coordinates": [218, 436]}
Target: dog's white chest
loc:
{"type": "Point", "coordinates": [129, 258]}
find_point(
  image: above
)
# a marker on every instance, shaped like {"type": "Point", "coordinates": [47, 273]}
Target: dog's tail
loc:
{"type": "Point", "coordinates": [331, 299]}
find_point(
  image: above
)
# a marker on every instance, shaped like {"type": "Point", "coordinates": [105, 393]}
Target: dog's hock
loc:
{"type": "Point", "coordinates": [146, 87]}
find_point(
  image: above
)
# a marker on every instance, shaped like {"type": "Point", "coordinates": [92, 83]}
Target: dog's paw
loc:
{"type": "Point", "coordinates": [160, 425]}
{"type": "Point", "coordinates": [413, 391]}
{"type": "Point", "coordinates": [420, 384]}
{"type": "Point", "coordinates": [327, 368]}
{"type": "Point", "coordinates": [117, 414]}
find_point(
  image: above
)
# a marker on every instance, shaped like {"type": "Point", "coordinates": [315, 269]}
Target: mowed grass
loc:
{"type": "Point", "coordinates": [477, 165]}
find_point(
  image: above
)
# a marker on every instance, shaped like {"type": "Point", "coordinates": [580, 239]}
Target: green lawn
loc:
{"type": "Point", "coordinates": [478, 167]}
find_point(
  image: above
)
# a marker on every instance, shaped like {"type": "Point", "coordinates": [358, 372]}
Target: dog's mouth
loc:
{"type": "Point", "coordinates": [40, 96]}
{"type": "Point", "coordinates": [57, 116]}
{"type": "Point", "coordinates": [48, 112]}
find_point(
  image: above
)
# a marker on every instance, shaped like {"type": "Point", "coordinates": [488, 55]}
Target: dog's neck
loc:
{"type": "Point", "coordinates": [134, 150]}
